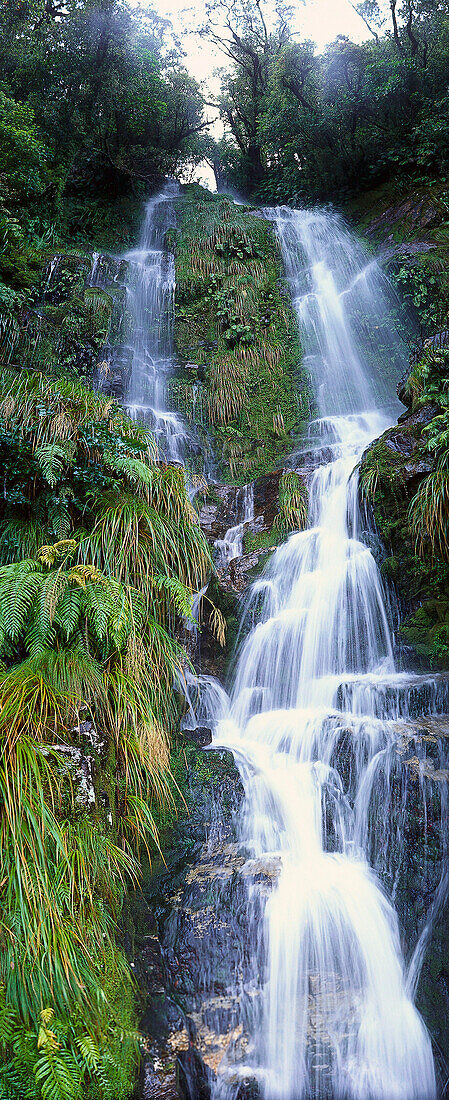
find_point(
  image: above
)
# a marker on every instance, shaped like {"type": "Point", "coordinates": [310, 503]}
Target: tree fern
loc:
{"type": "Point", "coordinates": [68, 613]}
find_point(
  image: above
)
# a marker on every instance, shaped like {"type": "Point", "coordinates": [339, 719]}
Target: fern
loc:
{"type": "Point", "coordinates": [58, 1076]}
{"type": "Point", "coordinates": [180, 595]}
{"type": "Point", "coordinates": [68, 613]}
{"type": "Point", "coordinates": [52, 459]}
{"type": "Point", "coordinates": [89, 1051]}
{"type": "Point", "coordinates": [19, 586]}
{"type": "Point", "coordinates": [135, 471]}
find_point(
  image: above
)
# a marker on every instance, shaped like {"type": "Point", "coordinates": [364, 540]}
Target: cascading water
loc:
{"type": "Point", "coordinates": [313, 725]}
{"type": "Point", "coordinates": [231, 545]}
{"type": "Point", "coordinates": [150, 293]}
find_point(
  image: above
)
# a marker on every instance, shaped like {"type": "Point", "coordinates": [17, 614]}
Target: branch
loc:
{"type": "Point", "coordinates": [393, 5]}
{"type": "Point", "coordinates": [365, 21]}
{"type": "Point", "coordinates": [409, 29]}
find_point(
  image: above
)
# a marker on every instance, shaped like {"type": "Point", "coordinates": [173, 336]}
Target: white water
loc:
{"type": "Point", "coordinates": [311, 734]}
{"type": "Point", "coordinates": [150, 291]}
{"type": "Point", "coordinates": [231, 545]}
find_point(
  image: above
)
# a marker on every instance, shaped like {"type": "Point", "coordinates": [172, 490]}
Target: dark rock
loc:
{"type": "Point", "coordinates": [405, 441]}
{"type": "Point", "coordinates": [201, 736]}
{"type": "Point", "coordinates": [401, 442]}
{"type": "Point", "coordinates": [193, 1077]}
{"type": "Point", "coordinates": [249, 1090]}
{"type": "Point", "coordinates": [266, 497]}
{"type": "Point", "coordinates": [157, 1084]}
{"type": "Point", "coordinates": [180, 927]}
{"type": "Point", "coordinates": [216, 517]}
{"type": "Point", "coordinates": [439, 341]}
{"type": "Point", "coordinates": [240, 572]}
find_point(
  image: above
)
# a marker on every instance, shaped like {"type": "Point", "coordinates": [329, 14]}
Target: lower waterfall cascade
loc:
{"type": "Point", "coordinates": [322, 975]}
{"type": "Point", "coordinates": [312, 719]}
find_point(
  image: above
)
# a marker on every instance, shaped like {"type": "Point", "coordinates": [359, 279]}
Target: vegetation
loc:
{"type": "Point", "coordinates": [299, 125]}
{"type": "Point", "coordinates": [95, 110]}
{"type": "Point", "coordinates": [237, 337]}
{"type": "Point", "coordinates": [101, 555]}
{"type": "Point", "coordinates": [408, 487]}
{"type": "Point", "coordinates": [293, 504]}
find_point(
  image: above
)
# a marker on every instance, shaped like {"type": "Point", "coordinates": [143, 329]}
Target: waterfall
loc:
{"type": "Point", "coordinates": [150, 303]}
{"type": "Point", "coordinates": [312, 721]}
{"type": "Point", "coordinates": [346, 311]}
{"type": "Point", "coordinates": [231, 545]}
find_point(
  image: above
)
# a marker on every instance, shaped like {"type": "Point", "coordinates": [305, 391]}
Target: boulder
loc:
{"type": "Point", "coordinates": [201, 736]}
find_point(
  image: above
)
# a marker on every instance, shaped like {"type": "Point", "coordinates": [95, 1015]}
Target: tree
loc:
{"type": "Point", "coordinates": [324, 126]}
{"type": "Point", "coordinates": [113, 105]}
{"type": "Point", "coordinates": [243, 33]}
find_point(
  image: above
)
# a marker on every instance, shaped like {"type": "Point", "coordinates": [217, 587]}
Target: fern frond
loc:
{"type": "Point", "coordinates": [52, 459]}
{"type": "Point", "coordinates": [135, 471]}
{"type": "Point", "coordinates": [20, 584]}
{"type": "Point", "coordinates": [60, 551]}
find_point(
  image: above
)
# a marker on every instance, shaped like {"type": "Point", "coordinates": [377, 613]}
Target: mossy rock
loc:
{"type": "Point", "coordinates": [391, 473]}
{"type": "Point", "coordinates": [68, 321]}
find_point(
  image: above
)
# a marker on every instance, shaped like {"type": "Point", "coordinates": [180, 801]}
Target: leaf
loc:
{"type": "Point", "coordinates": [53, 457]}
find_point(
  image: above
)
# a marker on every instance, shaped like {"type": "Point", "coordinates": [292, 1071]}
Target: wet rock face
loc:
{"type": "Point", "coordinates": [201, 736]}
{"type": "Point", "coordinates": [405, 441]}
{"type": "Point", "coordinates": [216, 516]}
{"type": "Point", "coordinates": [266, 497]}
{"type": "Point", "coordinates": [114, 371]}
{"type": "Point", "coordinates": [240, 571]}
{"type": "Point", "coordinates": [185, 919]}
{"type": "Point", "coordinates": [191, 957]}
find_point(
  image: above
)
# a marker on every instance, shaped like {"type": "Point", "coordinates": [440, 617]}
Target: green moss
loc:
{"type": "Point", "coordinates": [259, 540]}
{"type": "Point", "coordinates": [236, 337]}
{"type": "Point", "coordinates": [427, 630]}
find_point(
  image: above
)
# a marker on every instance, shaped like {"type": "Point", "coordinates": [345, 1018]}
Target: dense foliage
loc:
{"type": "Point", "coordinates": [94, 105]}
{"type": "Point", "coordinates": [236, 337]}
{"type": "Point", "coordinates": [101, 554]}
{"type": "Point", "coordinates": [301, 125]}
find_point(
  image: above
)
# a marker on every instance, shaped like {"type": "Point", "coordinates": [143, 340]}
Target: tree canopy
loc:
{"type": "Point", "coordinates": [302, 125]}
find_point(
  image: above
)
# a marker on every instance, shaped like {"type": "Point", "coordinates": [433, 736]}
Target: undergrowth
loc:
{"type": "Point", "coordinates": [100, 554]}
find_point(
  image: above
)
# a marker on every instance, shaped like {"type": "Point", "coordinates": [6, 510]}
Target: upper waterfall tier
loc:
{"type": "Point", "coordinates": [150, 292]}
{"type": "Point", "coordinates": [347, 312]}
